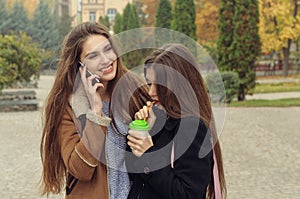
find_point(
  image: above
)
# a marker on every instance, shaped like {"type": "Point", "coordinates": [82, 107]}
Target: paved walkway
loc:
{"type": "Point", "coordinates": [273, 96]}
{"type": "Point", "coordinates": [260, 150]}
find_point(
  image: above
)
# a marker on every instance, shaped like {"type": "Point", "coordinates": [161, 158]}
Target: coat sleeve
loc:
{"type": "Point", "coordinates": [191, 174]}
{"type": "Point", "coordinates": [74, 150]}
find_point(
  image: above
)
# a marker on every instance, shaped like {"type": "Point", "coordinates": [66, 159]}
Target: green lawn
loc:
{"type": "Point", "coordinates": [278, 87]}
{"type": "Point", "coordinates": [266, 103]}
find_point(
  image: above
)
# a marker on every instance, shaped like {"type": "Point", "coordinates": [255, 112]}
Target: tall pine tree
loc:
{"type": "Point", "coordinates": [3, 17]}
{"type": "Point", "coordinates": [133, 39]}
{"type": "Point", "coordinates": [18, 19]}
{"type": "Point", "coordinates": [105, 21]}
{"type": "Point", "coordinates": [125, 17]}
{"type": "Point", "coordinates": [164, 14]}
{"type": "Point", "coordinates": [226, 32]}
{"type": "Point", "coordinates": [44, 28]}
{"type": "Point", "coordinates": [63, 23]}
{"type": "Point", "coordinates": [246, 44]}
{"type": "Point", "coordinates": [118, 24]}
{"type": "Point", "coordinates": [163, 20]}
{"type": "Point", "coordinates": [184, 16]}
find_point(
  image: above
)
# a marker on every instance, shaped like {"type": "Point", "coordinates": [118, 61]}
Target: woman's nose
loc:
{"type": "Point", "coordinates": [151, 91]}
{"type": "Point", "coordinates": [104, 58]}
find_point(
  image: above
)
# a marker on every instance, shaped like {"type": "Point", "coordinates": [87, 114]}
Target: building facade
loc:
{"type": "Point", "coordinates": [91, 10]}
{"type": "Point", "coordinates": [80, 10]}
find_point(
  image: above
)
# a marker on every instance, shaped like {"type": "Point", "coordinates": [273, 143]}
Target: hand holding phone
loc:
{"type": "Point", "coordinates": [89, 73]}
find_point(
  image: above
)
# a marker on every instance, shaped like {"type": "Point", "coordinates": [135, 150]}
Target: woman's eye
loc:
{"type": "Point", "coordinates": [108, 49]}
{"type": "Point", "coordinates": [93, 56]}
{"type": "Point", "coordinates": [149, 84]}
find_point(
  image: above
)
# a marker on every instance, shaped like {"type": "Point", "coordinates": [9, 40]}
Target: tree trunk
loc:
{"type": "Point", "coordinates": [286, 54]}
{"type": "Point", "coordinates": [285, 62]}
{"type": "Point", "coordinates": [241, 94]}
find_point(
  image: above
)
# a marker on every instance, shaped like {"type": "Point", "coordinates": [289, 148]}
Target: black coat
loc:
{"type": "Point", "coordinates": [152, 175]}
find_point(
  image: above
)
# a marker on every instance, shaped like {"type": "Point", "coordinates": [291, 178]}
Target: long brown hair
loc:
{"type": "Point", "coordinates": [176, 70]}
{"type": "Point", "coordinates": [54, 170]}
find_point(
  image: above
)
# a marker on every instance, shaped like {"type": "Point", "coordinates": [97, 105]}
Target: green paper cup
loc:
{"type": "Point", "coordinates": [140, 128]}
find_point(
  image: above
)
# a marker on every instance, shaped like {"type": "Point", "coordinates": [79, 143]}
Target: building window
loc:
{"type": "Point", "coordinates": [92, 16]}
{"type": "Point", "coordinates": [93, 1]}
{"type": "Point", "coordinates": [111, 13]}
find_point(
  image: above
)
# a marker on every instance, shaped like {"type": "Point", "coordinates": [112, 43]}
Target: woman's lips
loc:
{"type": "Point", "coordinates": [108, 69]}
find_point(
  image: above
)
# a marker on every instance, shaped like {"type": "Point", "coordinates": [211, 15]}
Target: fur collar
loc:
{"type": "Point", "coordinates": [79, 100]}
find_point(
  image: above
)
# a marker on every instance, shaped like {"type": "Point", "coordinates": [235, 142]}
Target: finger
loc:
{"type": "Point", "coordinates": [149, 103]}
{"type": "Point", "coordinates": [145, 111]}
{"type": "Point", "coordinates": [98, 85]}
{"type": "Point", "coordinates": [131, 144]}
{"type": "Point", "coordinates": [82, 70]}
{"type": "Point", "coordinates": [142, 114]}
{"type": "Point", "coordinates": [90, 78]}
{"type": "Point", "coordinates": [138, 116]}
{"type": "Point", "coordinates": [132, 138]}
{"type": "Point", "coordinates": [136, 153]}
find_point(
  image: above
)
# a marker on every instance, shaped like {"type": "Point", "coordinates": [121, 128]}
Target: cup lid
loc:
{"type": "Point", "coordinates": [139, 125]}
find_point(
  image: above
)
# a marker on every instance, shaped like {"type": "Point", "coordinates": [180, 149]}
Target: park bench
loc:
{"type": "Point", "coordinates": [18, 100]}
{"type": "Point", "coordinates": [268, 69]}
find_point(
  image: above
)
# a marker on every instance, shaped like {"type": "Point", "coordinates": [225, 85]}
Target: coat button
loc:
{"type": "Point", "coordinates": [146, 170]}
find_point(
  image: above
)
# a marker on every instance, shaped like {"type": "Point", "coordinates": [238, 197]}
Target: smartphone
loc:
{"type": "Point", "coordinates": [89, 73]}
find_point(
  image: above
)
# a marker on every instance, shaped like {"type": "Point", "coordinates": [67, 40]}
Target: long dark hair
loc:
{"type": "Point", "coordinates": [176, 70]}
{"type": "Point", "coordinates": [54, 169]}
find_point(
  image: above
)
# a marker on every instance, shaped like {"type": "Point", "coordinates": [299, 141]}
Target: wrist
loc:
{"type": "Point", "coordinates": [100, 119]}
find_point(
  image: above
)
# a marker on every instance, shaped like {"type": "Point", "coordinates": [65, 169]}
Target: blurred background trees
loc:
{"type": "Point", "coordinates": [235, 41]}
{"type": "Point", "coordinates": [20, 59]}
{"type": "Point", "coordinates": [279, 28]}
{"type": "Point", "coordinates": [184, 15]}
{"type": "Point", "coordinates": [29, 40]}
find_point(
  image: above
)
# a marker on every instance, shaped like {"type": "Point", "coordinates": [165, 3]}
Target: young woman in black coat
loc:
{"type": "Point", "coordinates": [177, 160]}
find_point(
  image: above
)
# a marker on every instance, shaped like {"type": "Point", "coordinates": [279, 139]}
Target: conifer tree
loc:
{"type": "Point", "coordinates": [104, 20]}
{"type": "Point", "coordinates": [226, 32]}
{"type": "Point", "coordinates": [246, 44]}
{"type": "Point", "coordinates": [118, 24]}
{"type": "Point", "coordinates": [18, 19]}
{"type": "Point", "coordinates": [163, 20]}
{"type": "Point", "coordinates": [164, 14]}
{"type": "Point", "coordinates": [125, 17]}
{"type": "Point", "coordinates": [63, 23]}
{"type": "Point", "coordinates": [133, 21]}
{"type": "Point", "coordinates": [44, 27]}
{"type": "Point", "coordinates": [184, 17]}
{"type": "Point", "coordinates": [3, 17]}
{"type": "Point", "coordinates": [132, 58]}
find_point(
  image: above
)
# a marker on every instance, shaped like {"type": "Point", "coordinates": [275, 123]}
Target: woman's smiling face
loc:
{"type": "Point", "coordinates": [99, 57]}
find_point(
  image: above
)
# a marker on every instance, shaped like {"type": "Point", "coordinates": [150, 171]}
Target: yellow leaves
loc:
{"type": "Point", "coordinates": [150, 11]}
{"type": "Point", "coordinates": [207, 20]}
{"type": "Point", "coordinates": [29, 5]}
{"type": "Point", "coordinates": [277, 24]}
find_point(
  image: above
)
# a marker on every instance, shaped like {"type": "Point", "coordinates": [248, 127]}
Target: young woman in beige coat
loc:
{"type": "Point", "coordinates": [83, 139]}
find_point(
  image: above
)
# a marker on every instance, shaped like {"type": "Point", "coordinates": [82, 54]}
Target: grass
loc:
{"type": "Point", "coordinates": [277, 87]}
{"type": "Point", "coordinates": [272, 88]}
{"type": "Point", "coordinates": [290, 76]}
{"type": "Point", "coordinates": [266, 103]}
